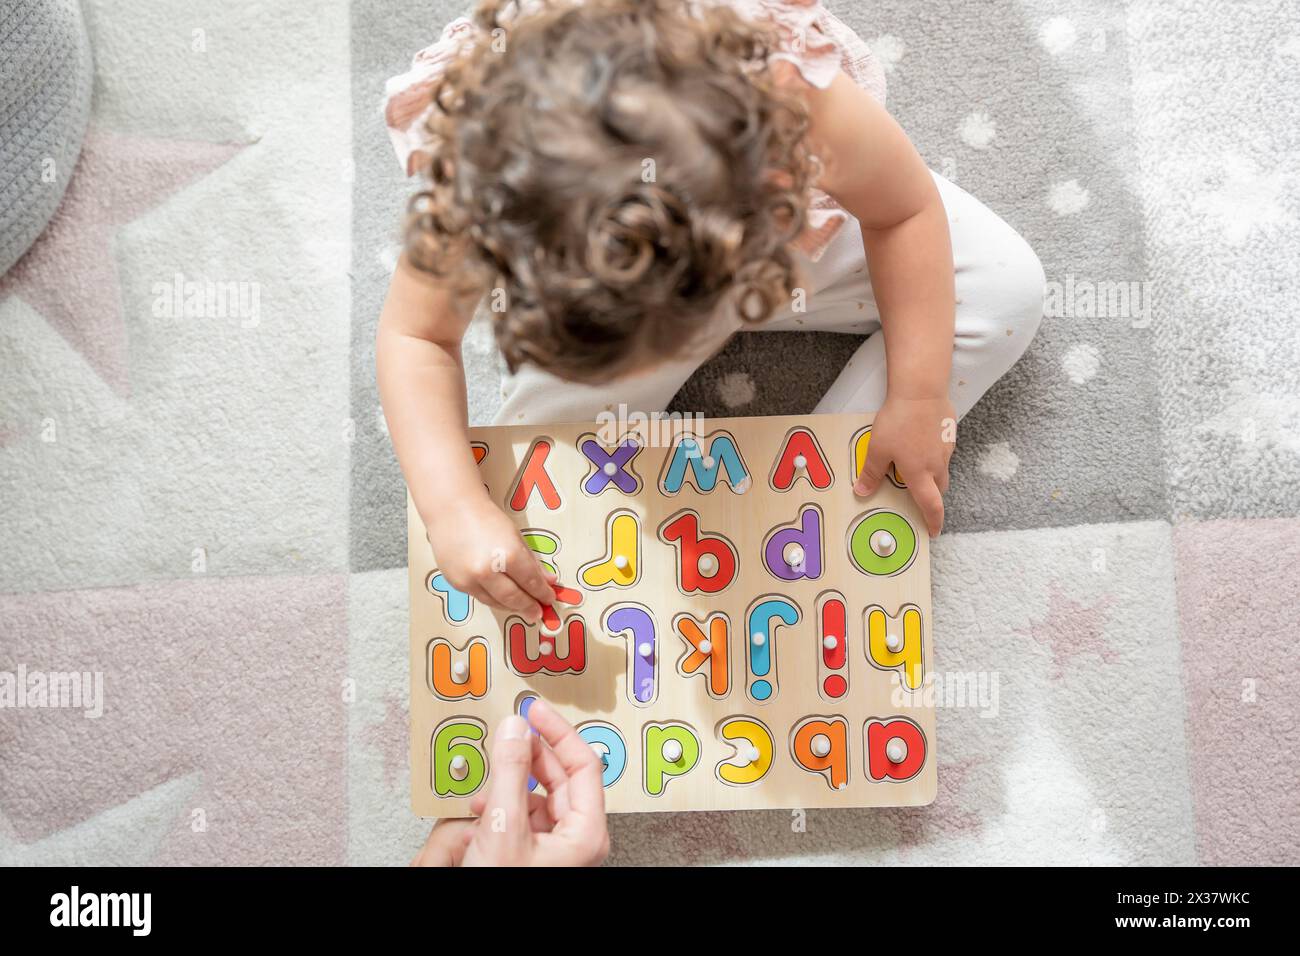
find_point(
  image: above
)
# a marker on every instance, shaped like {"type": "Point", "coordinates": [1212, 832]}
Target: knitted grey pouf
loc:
{"type": "Point", "coordinates": [45, 83]}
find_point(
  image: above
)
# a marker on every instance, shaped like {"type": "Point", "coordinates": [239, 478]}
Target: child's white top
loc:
{"type": "Point", "coordinates": [817, 43]}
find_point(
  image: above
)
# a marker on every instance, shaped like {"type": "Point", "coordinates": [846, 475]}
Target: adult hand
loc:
{"type": "Point", "coordinates": [563, 827]}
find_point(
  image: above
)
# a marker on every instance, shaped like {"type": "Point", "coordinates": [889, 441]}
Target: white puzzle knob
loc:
{"type": "Point", "coordinates": [749, 754]}
{"type": "Point", "coordinates": [459, 670]}
{"type": "Point", "coordinates": [610, 469]}
{"type": "Point", "coordinates": [707, 461]}
{"type": "Point", "coordinates": [896, 750]}
{"type": "Point", "coordinates": [821, 745]}
{"type": "Point", "coordinates": [830, 642]}
{"type": "Point", "coordinates": [645, 649]}
{"type": "Point", "coordinates": [708, 565]}
{"type": "Point", "coordinates": [706, 646]}
{"type": "Point", "coordinates": [459, 764]}
{"type": "Point", "coordinates": [620, 561]}
{"type": "Point", "coordinates": [882, 543]}
{"type": "Point", "coordinates": [758, 638]}
{"type": "Point", "coordinates": [800, 461]}
{"type": "Point", "coordinates": [672, 750]}
{"type": "Point", "coordinates": [545, 647]}
{"type": "Point", "coordinates": [794, 555]}
{"type": "Point", "coordinates": [894, 642]}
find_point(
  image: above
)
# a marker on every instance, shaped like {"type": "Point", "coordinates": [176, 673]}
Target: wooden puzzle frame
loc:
{"type": "Point", "coordinates": [748, 721]}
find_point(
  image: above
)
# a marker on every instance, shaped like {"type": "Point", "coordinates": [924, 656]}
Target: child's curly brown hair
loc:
{"type": "Point", "coordinates": [613, 171]}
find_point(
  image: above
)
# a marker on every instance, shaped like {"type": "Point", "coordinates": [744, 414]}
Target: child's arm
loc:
{"type": "Point", "coordinates": [422, 386]}
{"type": "Point", "coordinates": [872, 169]}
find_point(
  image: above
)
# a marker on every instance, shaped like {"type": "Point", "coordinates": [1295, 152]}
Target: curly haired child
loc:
{"type": "Point", "coordinates": [631, 182]}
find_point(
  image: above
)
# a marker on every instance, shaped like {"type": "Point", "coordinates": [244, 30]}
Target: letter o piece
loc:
{"type": "Point", "coordinates": [881, 543]}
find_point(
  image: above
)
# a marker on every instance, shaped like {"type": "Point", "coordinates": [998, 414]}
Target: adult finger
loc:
{"type": "Point", "coordinates": [544, 809]}
{"type": "Point", "coordinates": [567, 846]}
{"type": "Point", "coordinates": [581, 766]}
{"type": "Point", "coordinates": [539, 813]}
{"type": "Point", "coordinates": [550, 774]}
{"type": "Point", "coordinates": [503, 831]}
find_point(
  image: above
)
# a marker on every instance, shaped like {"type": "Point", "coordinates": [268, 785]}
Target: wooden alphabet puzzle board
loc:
{"type": "Point", "coordinates": [751, 634]}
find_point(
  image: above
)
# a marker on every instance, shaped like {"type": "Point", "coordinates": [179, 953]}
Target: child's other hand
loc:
{"type": "Point", "coordinates": [918, 436]}
{"type": "Point", "coordinates": [480, 551]}
{"type": "Point", "coordinates": [565, 827]}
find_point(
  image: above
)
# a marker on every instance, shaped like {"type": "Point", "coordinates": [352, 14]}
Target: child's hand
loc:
{"type": "Point", "coordinates": [481, 552]}
{"type": "Point", "coordinates": [914, 434]}
{"type": "Point", "coordinates": [566, 827]}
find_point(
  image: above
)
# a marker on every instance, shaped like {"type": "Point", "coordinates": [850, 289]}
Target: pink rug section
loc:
{"type": "Point", "coordinates": [1238, 597]}
{"type": "Point", "coordinates": [232, 686]}
{"type": "Point", "coordinates": [118, 179]}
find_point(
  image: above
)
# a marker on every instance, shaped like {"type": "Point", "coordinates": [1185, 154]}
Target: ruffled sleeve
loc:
{"type": "Point", "coordinates": [817, 43]}
{"type": "Point", "coordinates": [408, 98]}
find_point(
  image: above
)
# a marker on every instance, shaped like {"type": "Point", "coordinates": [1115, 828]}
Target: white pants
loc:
{"type": "Point", "coordinates": [999, 284]}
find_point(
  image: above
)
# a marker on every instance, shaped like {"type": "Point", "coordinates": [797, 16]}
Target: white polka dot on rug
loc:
{"type": "Point", "coordinates": [1081, 363]}
{"type": "Point", "coordinates": [1057, 35]}
{"type": "Point", "coordinates": [888, 50]}
{"type": "Point", "coordinates": [999, 461]}
{"type": "Point", "coordinates": [1067, 198]}
{"type": "Point", "coordinates": [388, 256]}
{"type": "Point", "coordinates": [977, 130]}
{"type": "Point", "coordinates": [736, 389]}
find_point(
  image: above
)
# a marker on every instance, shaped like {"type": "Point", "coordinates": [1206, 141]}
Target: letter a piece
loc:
{"type": "Point", "coordinates": [801, 457]}
{"type": "Point", "coordinates": [895, 749]}
{"type": "Point", "coordinates": [533, 476]}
